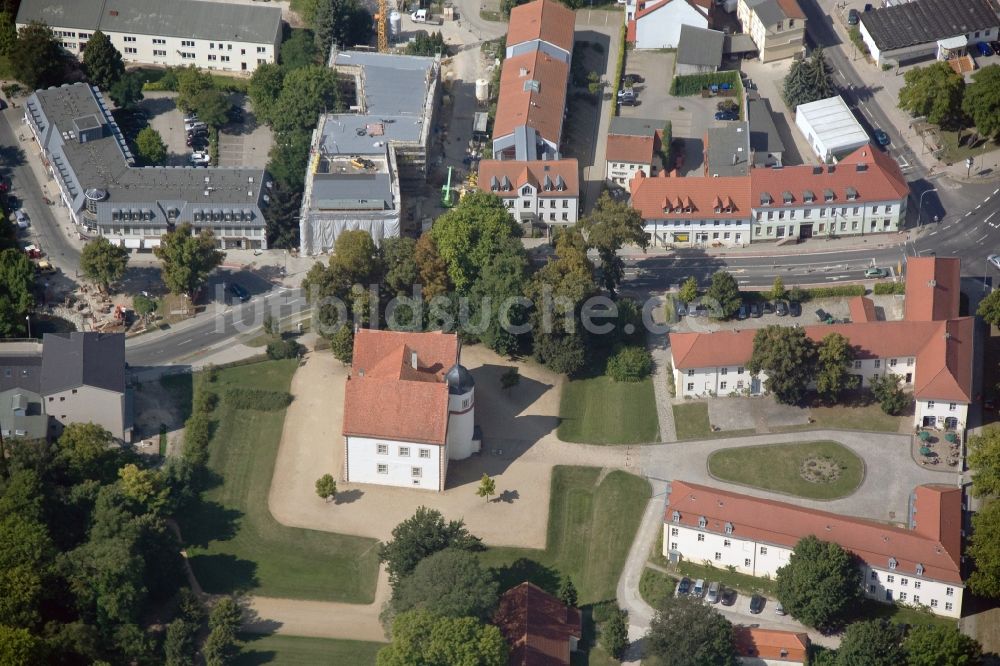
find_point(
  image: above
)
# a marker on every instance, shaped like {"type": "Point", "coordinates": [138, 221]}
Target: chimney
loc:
{"type": "Point", "coordinates": [361, 372]}
{"type": "Point", "coordinates": [523, 72]}
{"type": "Point", "coordinates": [735, 158]}
{"type": "Point", "coordinates": [413, 359]}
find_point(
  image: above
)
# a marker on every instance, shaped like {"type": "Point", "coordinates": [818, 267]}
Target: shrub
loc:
{"type": "Point", "coordinates": [887, 288]}
{"type": "Point", "coordinates": [693, 84]}
{"type": "Point", "coordinates": [280, 349]}
{"type": "Point", "coordinates": [630, 364]}
{"type": "Point", "coordinates": [197, 432]}
{"type": "Point", "coordinates": [205, 401]}
{"type": "Point", "coordinates": [619, 72]}
{"type": "Point", "coordinates": [260, 400]}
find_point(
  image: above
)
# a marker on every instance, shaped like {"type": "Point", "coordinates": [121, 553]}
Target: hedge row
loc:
{"type": "Point", "coordinates": [693, 84]}
{"type": "Point", "coordinates": [887, 288]}
{"type": "Point", "coordinates": [805, 295]}
{"type": "Point", "coordinates": [619, 73]}
{"type": "Point", "coordinates": [257, 399]}
{"type": "Point", "coordinates": [168, 82]}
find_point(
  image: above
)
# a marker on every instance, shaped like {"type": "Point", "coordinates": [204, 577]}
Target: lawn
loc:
{"type": "Point", "coordinates": [778, 467]}
{"type": "Point", "coordinates": [591, 527]}
{"type": "Point", "coordinates": [654, 586]}
{"type": "Point", "coordinates": [597, 410]}
{"type": "Point", "coordinates": [854, 416]}
{"type": "Point", "coordinates": [232, 541]}
{"type": "Point", "coordinates": [691, 422]}
{"type": "Point", "coordinates": [955, 152]}
{"type": "Point", "coordinates": [298, 650]}
{"type": "Point", "coordinates": [740, 582]}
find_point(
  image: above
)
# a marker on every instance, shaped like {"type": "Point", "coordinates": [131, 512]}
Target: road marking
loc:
{"type": "Point", "coordinates": [836, 277]}
{"type": "Point", "coordinates": [932, 233]}
{"type": "Point", "coordinates": [983, 238]}
{"type": "Point", "coordinates": [968, 214]}
{"type": "Point", "coordinates": [978, 207]}
{"type": "Point", "coordinates": [986, 200]}
{"type": "Point", "coordinates": [182, 342]}
{"type": "Point", "coordinates": [996, 191]}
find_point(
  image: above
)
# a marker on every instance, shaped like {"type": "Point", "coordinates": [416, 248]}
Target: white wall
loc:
{"type": "Point", "coordinates": [722, 381]}
{"type": "Point", "coordinates": [847, 217]}
{"type": "Point", "coordinates": [623, 172]}
{"type": "Point", "coordinates": [703, 233]}
{"type": "Point", "coordinates": [552, 209]}
{"type": "Point", "coordinates": [363, 460]}
{"type": "Point", "coordinates": [661, 29]}
{"type": "Point", "coordinates": [940, 411]}
{"type": "Point", "coordinates": [87, 404]}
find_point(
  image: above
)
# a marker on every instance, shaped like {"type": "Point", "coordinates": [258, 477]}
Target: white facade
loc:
{"type": "Point", "coordinates": [461, 424]}
{"type": "Point", "coordinates": [830, 128]}
{"type": "Point", "coordinates": [698, 233]}
{"type": "Point", "coordinates": [528, 204]}
{"type": "Point", "coordinates": [731, 380]}
{"type": "Point", "coordinates": [623, 172]}
{"type": "Point", "coordinates": [776, 41]}
{"type": "Point", "coordinates": [919, 51]}
{"type": "Point", "coordinates": [756, 558]}
{"type": "Point", "coordinates": [392, 463]}
{"type": "Point", "coordinates": [661, 28]}
{"type": "Point", "coordinates": [854, 218]}
{"type": "Point", "coordinates": [941, 414]}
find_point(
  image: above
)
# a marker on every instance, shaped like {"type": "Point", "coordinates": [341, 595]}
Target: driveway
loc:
{"type": "Point", "coordinates": [168, 120]}
{"type": "Point", "coordinates": [245, 144]}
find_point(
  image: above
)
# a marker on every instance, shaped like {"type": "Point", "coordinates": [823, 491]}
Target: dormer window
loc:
{"type": "Point", "coordinates": [765, 199]}
{"type": "Point", "coordinates": [827, 195]}
{"type": "Point", "coordinates": [729, 528]}
{"type": "Point", "coordinates": [560, 184]}
{"type": "Point", "coordinates": [920, 569]}
{"type": "Point", "coordinates": [526, 191]}
{"type": "Point", "coordinates": [808, 196]}
{"type": "Point", "coordinates": [676, 516]}
{"type": "Point", "coordinates": [892, 562]}
{"type": "Point", "coordinates": [494, 184]}
{"type": "Point", "coordinates": [702, 522]}
{"type": "Point", "coordinates": [852, 194]}
{"type": "Point", "coordinates": [786, 197]}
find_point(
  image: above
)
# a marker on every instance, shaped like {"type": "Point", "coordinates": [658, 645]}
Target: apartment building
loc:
{"type": "Point", "coordinates": [633, 145]}
{"type": "Point", "coordinates": [546, 192]}
{"type": "Point", "coordinates": [223, 36]}
{"type": "Point", "coordinates": [777, 27]}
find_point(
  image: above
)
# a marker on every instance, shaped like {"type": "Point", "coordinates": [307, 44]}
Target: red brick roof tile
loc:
{"type": "Point", "coordinates": [650, 196]}
{"type": "Point", "coordinates": [543, 110]}
{"type": "Point", "coordinates": [519, 173]}
{"type": "Point", "coordinates": [635, 149]}
{"type": "Point", "coordinates": [537, 626]}
{"type": "Point", "coordinates": [933, 288]}
{"type": "Point", "coordinates": [771, 644]}
{"type": "Point", "coordinates": [545, 20]}
{"type": "Point", "coordinates": [862, 309]}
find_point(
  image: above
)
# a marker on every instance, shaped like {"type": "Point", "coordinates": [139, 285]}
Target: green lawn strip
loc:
{"type": "Point", "coordinates": [842, 417]}
{"type": "Point", "coordinates": [777, 467]}
{"type": "Point", "coordinates": [740, 582]}
{"type": "Point", "coordinates": [654, 586]}
{"type": "Point", "coordinates": [691, 420]}
{"type": "Point", "coordinates": [597, 410]}
{"type": "Point", "coordinates": [590, 531]}
{"type": "Point", "coordinates": [299, 650]}
{"type": "Point", "coordinates": [233, 542]}
{"type": "Point", "coordinates": [869, 609]}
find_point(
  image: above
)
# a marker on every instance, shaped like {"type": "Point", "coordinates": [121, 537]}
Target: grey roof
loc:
{"type": "Point", "coordinates": [83, 359]}
{"type": "Point", "coordinates": [20, 366]}
{"type": "Point", "coordinates": [768, 11]}
{"type": "Point", "coordinates": [353, 134]}
{"type": "Point", "coordinates": [190, 19]}
{"type": "Point", "coordinates": [358, 191]}
{"type": "Point", "coordinates": [923, 21]}
{"type": "Point", "coordinates": [22, 414]}
{"type": "Point", "coordinates": [725, 144]}
{"type": "Point", "coordinates": [698, 46]}
{"type": "Point", "coordinates": [764, 136]}
{"type": "Point", "coordinates": [741, 43]}
{"type": "Point", "coordinates": [459, 380]}
{"type": "Point", "coordinates": [147, 194]}
{"type": "Point", "coordinates": [623, 126]}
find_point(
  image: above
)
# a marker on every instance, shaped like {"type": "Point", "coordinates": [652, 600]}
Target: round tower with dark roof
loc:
{"type": "Point", "coordinates": [461, 412]}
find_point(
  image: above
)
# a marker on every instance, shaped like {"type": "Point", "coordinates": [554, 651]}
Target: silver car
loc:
{"type": "Point", "coordinates": [995, 260]}
{"type": "Point", "coordinates": [713, 593]}
{"type": "Point", "coordinates": [699, 588]}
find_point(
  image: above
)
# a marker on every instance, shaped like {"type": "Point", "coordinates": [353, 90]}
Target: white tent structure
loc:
{"type": "Point", "coordinates": [830, 128]}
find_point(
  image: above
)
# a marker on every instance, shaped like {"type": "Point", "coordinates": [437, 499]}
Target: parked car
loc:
{"type": "Point", "coordinates": [197, 142]}
{"type": "Point", "coordinates": [795, 308]}
{"type": "Point", "coordinates": [239, 292]}
{"type": "Point", "coordinates": [755, 310]}
{"type": "Point", "coordinates": [780, 308]}
{"type": "Point", "coordinates": [198, 131]}
{"type": "Point", "coordinates": [200, 158]}
{"type": "Point", "coordinates": [726, 115]}
{"type": "Point", "coordinates": [853, 17]}
{"type": "Point", "coordinates": [779, 609]}
{"type": "Point", "coordinates": [700, 310]}
{"type": "Point", "coordinates": [626, 97]}
{"type": "Point", "coordinates": [190, 118]}
{"type": "Point", "coordinates": [995, 260]}
{"type": "Point", "coordinates": [44, 267]}
{"type": "Point", "coordinates": [995, 46]}
{"type": "Point", "coordinates": [683, 587]}
{"type": "Point", "coordinates": [875, 272]}
{"type": "Point", "coordinates": [767, 308]}
{"type": "Point", "coordinates": [742, 312]}
{"type": "Point", "coordinates": [22, 219]}
{"type": "Point", "coordinates": [757, 604]}
{"type": "Point", "coordinates": [881, 137]}
{"type": "Point", "coordinates": [699, 588]}
{"type": "Point", "coordinates": [191, 127]}
{"type": "Point", "coordinates": [633, 78]}
{"type": "Point", "coordinates": [681, 309]}
{"type": "Point", "coordinates": [868, 7]}
{"type": "Point", "coordinates": [728, 596]}
{"type": "Point", "coordinates": [984, 49]}
{"type": "Point", "coordinates": [712, 596]}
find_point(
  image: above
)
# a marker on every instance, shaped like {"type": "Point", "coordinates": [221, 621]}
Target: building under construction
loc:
{"type": "Point", "coordinates": [362, 163]}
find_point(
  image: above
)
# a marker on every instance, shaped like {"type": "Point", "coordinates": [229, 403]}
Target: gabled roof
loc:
{"type": "Point", "coordinates": [937, 514]}
{"type": "Point", "coordinates": [545, 20]}
{"type": "Point", "coordinates": [537, 626]}
{"type": "Point", "coordinates": [634, 149]}
{"type": "Point", "coordinates": [699, 46]}
{"type": "Point", "coordinates": [533, 93]}
{"type": "Point", "coordinates": [944, 364]}
{"type": "Point", "coordinates": [83, 359]}
{"type": "Point", "coordinates": [647, 8]}
{"type": "Point", "coordinates": [667, 198]}
{"type": "Point", "coordinates": [923, 21]}
{"type": "Point", "coordinates": [771, 644]}
{"type": "Point", "coordinates": [862, 309]}
{"type": "Point", "coordinates": [933, 288]}
{"type": "Point", "coordinates": [390, 396]}
{"type": "Point", "coordinates": [550, 178]}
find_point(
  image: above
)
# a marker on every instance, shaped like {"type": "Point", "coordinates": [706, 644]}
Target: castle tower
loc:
{"type": "Point", "coordinates": [461, 413]}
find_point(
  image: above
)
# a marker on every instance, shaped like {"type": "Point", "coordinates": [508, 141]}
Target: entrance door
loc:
{"type": "Point", "coordinates": [805, 231]}
{"type": "Point", "coordinates": [930, 421]}
{"type": "Point", "coordinates": [951, 423]}
{"type": "Point", "coordinates": [754, 386]}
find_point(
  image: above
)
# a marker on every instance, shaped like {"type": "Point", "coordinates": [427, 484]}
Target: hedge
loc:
{"type": "Point", "coordinates": [280, 349]}
{"type": "Point", "coordinates": [197, 433]}
{"type": "Point", "coordinates": [810, 294]}
{"type": "Point", "coordinates": [693, 84]}
{"type": "Point", "coordinates": [888, 288]}
{"type": "Point", "coordinates": [257, 399]}
{"type": "Point", "coordinates": [619, 73]}
{"type": "Point", "coordinates": [168, 82]}
{"type": "Point", "coordinates": [665, 145]}
{"type": "Point", "coordinates": [630, 364]}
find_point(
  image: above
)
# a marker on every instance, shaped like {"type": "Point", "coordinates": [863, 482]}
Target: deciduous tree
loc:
{"type": "Point", "coordinates": [17, 274]}
{"type": "Point", "coordinates": [497, 297]}
{"type": "Point", "coordinates": [450, 583]}
{"type": "Point", "coordinates": [421, 637]}
{"type": "Point", "coordinates": [890, 395]}
{"type": "Point", "coordinates": [989, 308]}
{"type": "Point", "coordinates": [487, 487]}
{"type": "Point", "coordinates": [192, 82]}
{"type": "Point", "coordinates": [567, 591]}
{"type": "Point", "coordinates": [222, 646]}
{"type": "Point", "coordinates": [872, 643]}
{"type": "Point", "coordinates": [87, 450]}
{"type": "Point", "coordinates": [835, 358]}
{"type": "Point", "coordinates": [326, 487]}
{"type": "Point", "coordinates": [356, 259]}
{"type": "Point", "coordinates": [401, 271]}
{"type": "Point", "coordinates": [820, 584]}
{"type": "Point", "coordinates": [778, 289]}
{"type": "Point", "coordinates": [934, 91]}
{"type": "Point", "coordinates": [608, 227]}
{"type": "Point", "coordinates": [936, 645]}
{"type": "Point", "coordinates": [37, 58]}
{"type": "Point", "coordinates": [187, 259]}
{"type": "Point", "coordinates": [686, 632]}
{"type": "Point", "coordinates": [432, 267]}
{"type": "Point", "coordinates": [265, 88]}
{"type": "Point", "coordinates": [212, 107]}
{"type": "Point", "coordinates": [984, 461]}
{"type": "Point", "coordinates": [982, 548]}
{"type": "Point", "coordinates": [8, 33]}
{"type": "Point", "coordinates": [614, 633]}
{"type": "Point", "coordinates": [144, 486]}
{"type": "Point", "coordinates": [149, 144]}
{"type": "Point", "coordinates": [103, 262]}
{"type": "Point", "coordinates": [288, 160]}
{"type": "Point", "coordinates": [299, 50]}
{"type": "Point", "coordinates": [102, 61]}
{"type": "Point", "coordinates": [26, 556]}
{"type": "Point", "coordinates": [689, 290]}
{"type": "Point", "coordinates": [19, 647]}
{"type": "Point", "coordinates": [788, 358]}
{"type": "Point", "coordinates": [305, 94]}
{"type": "Point", "coordinates": [127, 90]}
{"type": "Point", "coordinates": [981, 101]}
{"type": "Point", "coordinates": [723, 295]}
{"type": "Point", "coordinates": [423, 534]}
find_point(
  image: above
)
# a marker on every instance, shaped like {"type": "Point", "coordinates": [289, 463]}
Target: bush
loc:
{"type": "Point", "coordinates": [887, 288]}
{"type": "Point", "coordinates": [260, 400]}
{"type": "Point", "coordinates": [630, 364]}
{"type": "Point", "coordinates": [205, 401]}
{"type": "Point", "coordinates": [693, 84]}
{"type": "Point", "coordinates": [280, 349]}
{"type": "Point", "coordinates": [619, 73]}
{"type": "Point", "coordinates": [197, 432]}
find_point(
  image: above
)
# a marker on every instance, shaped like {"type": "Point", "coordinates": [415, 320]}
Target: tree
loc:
{"type": "Point", "coordinates": [934, 645]}
{"type": "Point", "coordinates": [820, 584]}
{"type": "Point", "coordinates": [342, 344]}
{"type": "Point", "coordinates": [608, 227]}
{"type": "Point", "coordinates": [984, 461]}
{"type": "Point", "coordinates": [989, 307]}
{"type": "Point", "coordinates": [127, 90]}
{"type": "Point", "coordinates": [686, 632]}
{"type": "Point", "coordinates": [451, 583]}
{"type": "Point", "coordinates": [689, 290]}
{"type": "Point", "coordinates": [487, 487]}
{"type": "Point", "coordinates": [871, 643]}
{"type": "Point", "coordinates": [19, 647]}
{"type": "Point", "coordinates": [222, 646]}
{"type": "Point", "coordinates": [401, 271]}
{"type": "Point", "coordinates": [788, 357]}
{"type": "Point", "coordinates": [724, 295]}
{"type": "Point", "coordinates": [192, 82]}
{"type": "Point", "coordinates": [567, 592]}
{"type": "Point", "coordinates": [102, 61]}
{"type": "Point", "coordinates": [510, 378]}
{"type": "Point", "coordinates": [287, 161]}
{"type": "Point", "coordinates": [630, 364]}
{"type": "Point", "coordinates": [427, 45]}
{"type": "Point", "coordinates": [8, 33]}
{"type": "Point", "coordinates": [934, 91]}
{"type": "Point", "coordinates": [103, 262]}
{"type": "Point", "coordinates": [37, 58]}
{"type": "Point", "coordinates": [982, 548]}
{"type": "Point", "coordinates": [423, 534]}
{"type": "Point", "coordinates": [144, 486]}
{"type": "Point", "coordinates": [265, 88]}
{"type": "Point", "coordinates": [777, 289]}
{"type": "Point", "coordinates": [432, 267]}
{"type": "Point", "coordinates": [150, 147]}
{"type": "Point", "coordinates": [180, 643]}
{"type": "Point", "coordinates": [808, 80]}
{"type": "Point", "coordinates": [17, 274]}
{"type": "Point", "coordinates": [270, 325]}
{"type": "Point", "coordinates": [326, 487]}
{"type": "Point", "coordinates": [835, 358]}
{"type": "Point", "coordinates": [187, 259]}
{"type": "Point", "coordinates": [305, 94]}
{"type": "Point", "coordinates": [614, 633]}
{"type": "Point", "coordinates": [299, 50]}
{"type": "Point", "coordinates": [87, 450]}
{"type": "Point", "coordinates": [497, 297]}
{"type": "Point", "coordinates": [26, 556]}
{"type": "Point", "coordinates": [890, 395]}
{"type": "Point", "coordinates": [212, 107]}
{"type": "Point", "coordinates": [981, 101]}
{"type": "Point", "coordinates": [421, 637]}
{"type": "Point", "coordinates": [356, 259]}
{"type": "Point", "coordinates": [344, 23]}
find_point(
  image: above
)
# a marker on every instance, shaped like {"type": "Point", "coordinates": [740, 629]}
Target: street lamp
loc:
{"type": "Point", "coordinates": [920, 203]}
{"type": "Point", "coordinates": [27, 318]}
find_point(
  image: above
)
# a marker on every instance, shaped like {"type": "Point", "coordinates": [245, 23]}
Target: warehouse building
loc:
{"type": "Point", "coordinates": [830, 128]}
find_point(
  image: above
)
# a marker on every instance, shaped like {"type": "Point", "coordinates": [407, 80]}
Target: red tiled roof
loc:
{"type": "Point", "coordinates": [791, 9]}
{"type": "Point", "coordinates": [537, 626]}
{"type": "Point", "coordinates": [772, 644]}
{"type": "Point", "coordinates": [635, 149]}
{"type": "Point", "coordinates": [944, 364]}
{"type": "Point", "coordinates": [535, 172]}
{"type": "Point", "coordinates": [862, 309]}
{"type": "Point", "coordinates": [650, 196]}
{"type": "Point", "coordinates": [386, 397]}
{"type": "Point", "coordinates": [630, 31]}
{"type": "Point", "coordinates": [784, 524]}
{"type": "Point", "coordinates": [933, 288]}
{"type": "Point", "coordinates": [542, 110]}
{"type": "Point", "coordinates": [545, 20]}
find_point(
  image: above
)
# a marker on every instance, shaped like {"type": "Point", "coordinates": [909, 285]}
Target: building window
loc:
{"type": "Point", "coordinates": [933, 603]}
{"type": "Point", "coordinates": [727, 543]}
{"type": "Point", "coordinates": [701, 537]}
{"type": "Point", "coordinates": [949, 591]}
{"type": "Point", "coordinates": [763, 550]}
{"type": "Point", "coordinates": [187, 42]}
{"type": "Point", "coordinates": [225, 58]}
{"type": "Point", "coordinates": [947, 606]}
{"type": "Point", "coordinates": [871, 589]}
{"type": "Point", "coordinates": [746, 562]}
{"type": "Point", "coordinates": [157, 40]}
{"type": "Point", "coordinates": [724, 371]}
{"type": "Point", "coordinates": [212, 56]}
{"type": "Point", "coordinates": [930, 404]}
{"type": "Point", "coordinates": [425, 453]}
{"type": "Point", "coordinates": [690, 386]}
{"type": "Point", "coordinates": [718, 556]}
{"type": "Point", "coordinates": [383, 468]}
{"type": "Point", "coordinates": [674, 531]}
{"type": "Point", "coordinates": [261, 49]}
{"type": "Point", "coordinates": [878, 363]}
{"type": "Point", "coordinates": [416, 472]}
{"type": "Point", "coordinates": [951, 406]}
{"type": "Point", "coordinates": [873, 575]}
{"type": "Point", "coordinates": [404, 452]}
{"type": "Point", "coordinates": [162, 54]}
{"type": "Point", "coordinates": [902, 596]}
{"type": "Point", "coordinates": [565, 217]}
{"type": "Point", "coordinates": [892, 363]}
{"type": "Point", "coordinates": [890, 579]}
{"type": "Point", "coordinates": [904, 581]}
{"type": "Point", "coordinates": [916, 585]}
{"type": "Point", "coordinates": [916, 598]}
{"type": "Point", "coordinates": [130, 49]}
{"type": "Point", "coordinates": [857, 364]}
{"type": "Point", "coordinates": [740, 370]}
{"type": "Point", "coordinates": [383, 449]}
{"type": "Point", "coordinates": [128, 38]}
{"type": "Point", "coordinates": [722, 386]}
{"type": "Point", "coordinates": [690, 373]}
{"type": "Point", "coordinates": [187, 56]}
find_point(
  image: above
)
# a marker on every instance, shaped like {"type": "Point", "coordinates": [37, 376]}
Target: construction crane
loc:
{"type": "Point", "coordinates": [448, 193]}
{"type": "Point", "coordinates": [381, 19]}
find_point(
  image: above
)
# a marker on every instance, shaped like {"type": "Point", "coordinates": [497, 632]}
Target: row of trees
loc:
{"type": "Point", "coordinates": [984, 544]}
{"type": "Point", "coordinates": [941, 95]}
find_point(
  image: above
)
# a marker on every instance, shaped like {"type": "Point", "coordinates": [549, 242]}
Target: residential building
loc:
{"type": "Point", "coordinates": [765, 142]}
{"type": "Point", "coordinates": [699, 50]}
{"type": "Point", "coordinates": [727, 150]}
{"type": "Point", "coordinates": [541, 26]}
{"type": "Point", "coordinates": [409, 408]}
{"type": "Point", "coordinates": [920, 564]}
{"type": "Point", "coordinates": [540, 630]}
{"type": "Point", "coordinates": [656, 24]}
{"type": "Point", "coordinates": [363, 164]}
{"type": "Point", "coordinates": [106, 193]}
{"type": "Point", "coordinates": [541, 192]}
{"type": "Point", "coordinates": [777, 27]}
{"type": "Point", "coordinates": [912, 31]}
{"type": "Point", "coordinates": [79, 378]}
{"type": "Point", "coordinates": [830, 128]}
{"type": "Point", "coordinates": [930, 350]}
{"type": "Point", "coordinates": [770, 647]}
{"type": "Point", "coordinates": [531, 107]}
{"type": "Point", "coordinates": [223, 36]}
{"type": "Point", "coordinates": [634, 144]}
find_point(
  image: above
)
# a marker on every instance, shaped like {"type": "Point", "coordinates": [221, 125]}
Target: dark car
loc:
{"type": "Point", "coordinates": [198, 131]}
{"type": "Point", "coordinates": [681, 309]}
{"type": "Point", "coordinates": [728, 596]}
{"type": "Point", "coordinates": [755, 310]}
{"type": "Point", "coordinates": [725, 115]}
{"type": "Point", "coordinates": [742, 312]}
{"type": "Point", "coordinates": [627, 100]}
{"type": "Point", "coordinates": [780, 308]}
{"type": "Point", "coordinates": [757, 604]}
{"type": "Point", "coordinates": [881, 137]}
{"type": "Point", "coordinates": [239, 292]}
{"type": "Point", "coordinates": [684, 587]}
{"type": "Point", "coordinates": [700, 310]}
{"type": "Point", "coordinates": [633, 78]}
{"type": "Point", "coordinates": [767, 308]}
{"type": "Point", "coordinates": [853, 17]}
{"type": "Point", "coordinates": [795, 308]}
{"type": "Point", "coordinates": [868, 7]}
{"type": "Point", "coordinates": [984, 49]}
{"type": "Point", "coordinates": [995, 46]}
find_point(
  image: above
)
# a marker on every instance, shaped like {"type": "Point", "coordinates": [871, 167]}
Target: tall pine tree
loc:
{"type": "Point", "coordinates": [102, 61]}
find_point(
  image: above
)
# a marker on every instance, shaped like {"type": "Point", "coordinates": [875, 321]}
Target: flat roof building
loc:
{"type": "Point", "coordinates": [830, 128]}
{"type": "Point", "coordinates": [134, 206]}
{"type": "Point", "coordinates": [727, 150]}
{"type": "Point", "coordinates": [765, 142]}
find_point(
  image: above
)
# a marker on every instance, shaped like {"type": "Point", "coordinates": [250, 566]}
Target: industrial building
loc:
{"type": "Point", "coordinates": [362, 163]}
{"type": "Point", "coordinates": [830, 128]}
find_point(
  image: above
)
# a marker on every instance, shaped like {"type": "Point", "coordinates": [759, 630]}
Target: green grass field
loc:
{"type": "Point", "coordinates": [234, 544]}
{"type": "Point", "coordinates": [691, 422]}
{"type": "Point", "coordinates": [777, 467]}
{"type": "Point", "coordinates": [299, 651]}
{"type": "Point", "coordinates": [654, 586]}
{"type": "Point", "coordinates": [590, 530]}
{"type": "Point", "coordinates": [597, 410]}
{"type": "Point", "coordinates": [848, 417]}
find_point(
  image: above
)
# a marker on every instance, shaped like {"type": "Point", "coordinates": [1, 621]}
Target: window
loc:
{"type": "Point", "coordinates": [763, 550]}
{"type": "Point", "coordinates": [724, 371]}
{"type": "Point", "coordinates": [951, 406]}
{"type": "Point", "coordinates": [722, 386]}
{"type": "Point", "coordinates": [857, 364]}
{"type": "Point", "coordinates": [890, 579]}
{"type": "Point", "coordinates": [212, 56]}
{"type": "Point", "coordinates": [674, 531]}
{"type": "Point", "coordinates": [187, 56]}
{"type": "Point", "coordinates": [128, 38]}
{"type": "Point", "coordinates": [261, 49]}
{"type": "Point", "coordinates": [416, 472]}
{"type": "Point", "coordinates": [130, 49]}
{"type": "Point", "coordinates": [157, 40]}
{"type": "Point", "coordinates": [62, 398]}
{"type": "Point", "coordinates": [933, 603]}
{"type": "Point", "coordinates": [930, 404]}
{"type": "Point", "coordinates": [892, 363]}
{"type": "Point", "coordinates": [526, 203]}
{"type": "Point", "coordinates": [383, 449]}
{"type": "Point", "coordinates": [947, 606]}
{"type": "Point", "coordinates": [690, 386]}
{"type": "Point", "coordinates": [904, 581]}
{"type": "Point", "coordinates": [878, 363]}
{"type": "Point", "coordinates": [902, 596]}
{"type": "Point", "coordinates": [916, 585]}
{"type": "Point", "coordinates": [949, 591]}
{"type": "Point", "coordinates": [873, 575]}
{"type": "Point", "coordinates": [383, 468]}
{"type": "Point", "coordinates": [690, 373]}
{"type": "Point", "coordinates": [740, 370]}
{"type": "Point", "coordinates": [916, 598]}
{"type": "Point", "coordinates": [225, 58]}
{"type": "Point", "coordinates": [187, 42]}
{"type": "Point", "coordinates": [746, 562]}
{"type": "Point", "coordinates": [162, 54]}
{"type": "Point", "coordinates": [718, 556]}
{"type": "Point", "coordinates": [727, 543]}
{"type": "Point", "coordinates": [701, 537]}
{"type": "Point", "coordinates": [425, 453]}
{"type": "Point", "coordinates": [892, 562]}
{"type": "Point", "coordinates": [871, 589]}
{"type": "Point", "coordinates": [404, 452]}
{"type": "Point", "coordinates": [565, 216]}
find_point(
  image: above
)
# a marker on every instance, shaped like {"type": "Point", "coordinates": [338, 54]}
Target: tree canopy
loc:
{"type": "Point", "coordinates": [788, 358]}
{"type": "Point", "coordinates": [871, 643]}
{"type": "Point", "coordinates": [127, 90]}
{"type": "Point", "coordinates": [102, 61]}
{"type": "Point", "coordinates": [421, 637]}
{"type": "Point", "coordinates": [187, 259]}
{"type": "Point", "coordinates": [103, 262]}
{"type": "Point", "coordinates": [935, 92]}
{"type": "Point", "coordinates": [820, 584]}
{"type": "Point", "coordinates": [17, 274]}
{"type": "Point", "coordinates": [265, 88]}
{"type": "Point", "coordinates": [191, 82]}
{"type": "Point", "coordinates": [981, 101]}
{"type": "Point", "coordinates": [984, 461]}
{"type": "Point", "coordinates": [723, 295]}
{"type": "Point", "coordinates": [936, 645]}
{"type": "Point", "coordinates": [299, 50]}
{"type": "Point", "coordinates": [608, 227]}
{"type": "Point", "coordinates": [421, 535]}
{"type": "Point", "coordinates": [37, 58]}
{"type": "Point", "coordinates": [212, 107]}
{"type": "Point", "coordinates": [345, 23]}
{"type": "Point", "coordinates": [689, 290]}
{"type": "Point", "coordinates": [982, 548]}
{"type": "Point", "coordinates": [834, 362]}
{"type": "Point", "coordinates": [8, 33]}
{"type": "Point", "coordinates": [451, 583]}
{"type": "Point", "coordinates": [687, 632]}
{"type": "Point", "coordinates": [150, 147]}
{"type": "Point", "coordinates": [305, 94]}
{"type": "Point", "coordinates": [808, 80]}
{"type": "Point", "coordinates": [989, 308]}
{"type": "Point", "coordinates": [889, 393]}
